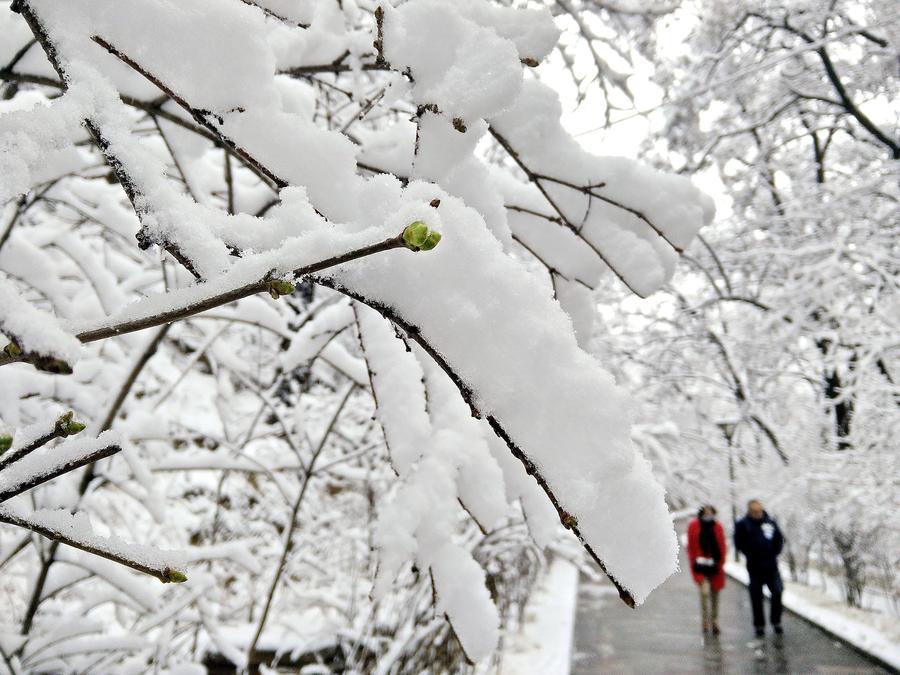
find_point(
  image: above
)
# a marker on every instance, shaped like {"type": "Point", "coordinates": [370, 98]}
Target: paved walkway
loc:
{"type": "Point", "coordinates": [664, 636]}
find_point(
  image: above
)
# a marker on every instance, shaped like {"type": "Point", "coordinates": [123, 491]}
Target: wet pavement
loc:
{"type": "Point", "coordinates": [664, 636]}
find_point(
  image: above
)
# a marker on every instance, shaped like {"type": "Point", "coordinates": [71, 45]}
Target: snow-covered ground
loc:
{"type": "Point", "coordinates": [544, 642]}
{"type": "Point", "coordinates": [872, 632]}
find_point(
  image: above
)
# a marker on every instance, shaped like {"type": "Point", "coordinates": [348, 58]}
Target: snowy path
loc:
{"type": "Point", "coordinates": [663, 636]}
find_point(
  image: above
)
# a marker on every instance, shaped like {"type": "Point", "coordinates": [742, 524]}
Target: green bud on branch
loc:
{"type": "Point", "coordinates": [48, 364]}
{"type": "Point", "coordinates": [279, 287]}
{"type": "Point", "coordinates": [5, 442]}
{"type": "Point", "coordinates": [417, 237]}
{"type": "Point", "coordinates": [67, 426]}
{"type": "Point", "coordinates": [431, 241]}
{"type": "Point", "coordinates": [569, 521]}
{"type": "Point", "coordinates": [174, 576]}
{"type": "Point", "coordinates": [414, 234]}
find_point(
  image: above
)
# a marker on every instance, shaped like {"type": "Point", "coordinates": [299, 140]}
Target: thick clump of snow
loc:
{"type": "Point", "coordinates": [236, 59]}
{"type": "Point", "coordinates": [550, 396]}
{"type": "Point", "coordinates": [443, 461]}
{"type": "Point", "coordinates": [602, 196]}
{"type": "Point", "coordinates": [37, 144]}
{"type": "Point", "coordinates": [531, 30]}
{"type": "Point", "coordinates": [466, 70]}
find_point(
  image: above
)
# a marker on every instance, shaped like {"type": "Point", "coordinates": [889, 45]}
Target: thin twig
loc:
{"type": "Point", "coordinates": [61, 429]}
{"type": "Point", "coordinates": [165, 574]}
{"type": "Point", "coordinates": [259, 286]}
{"type": "Point", "coordinates": [37, 592]}
{"type": "Point", "coordinates": [195, 307]}
{"type": "Point", "coordinates": [201, 116]}
{"type": "Point", "coordinates": [288, 539]}
{"type": "Point", "coordinates": [564, 219]}
{"type": "Point", "coordinates": [41, 477]}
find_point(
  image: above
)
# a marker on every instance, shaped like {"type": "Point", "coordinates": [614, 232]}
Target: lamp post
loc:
{"type": "Point", "coordinates": [728, 428]}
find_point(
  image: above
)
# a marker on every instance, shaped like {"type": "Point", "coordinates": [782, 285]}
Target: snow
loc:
{"type": "Point", "coordinates": [480, 482]}
{"type": "Point", "coordinates": [236, 61]}
{"type": "Point", "coordinates": [337, 356]}
{"type": "Point", "coordinates": [544, 642]}
{"type": "Point", "coordinates": [871, 632]}
{"type": "Point", "coordinates": [461, 594]}
{"type": "Point", "coordinates": [643, 254]}
{"type": "Point", "coordinates": [531, 362]}
{"type": "Point", "coordinates": [397, 381]}
{"type": "Point", "coordinates": [314, 335]}
{"type": "Point", "coordinates": [25, 436]}
{"type": "Point", "coordinates": [466, 70]}
{"type": "Point", "coordinates": [514, 352]}
{"type": "Point", "coordinates": [295, 253]}
{"type": "Point", "coordinates": [34, 330]}
{"type": "Point", "coordinates": [77, 528]}
{"type": "Point", "coordinates": [45, 460]}
{"type": "Point", "coordinates": [441, 458]}
{"type": "Point", "coordinates": [36, 144]}
{"type": "Point", "coordinates": [532, 30]}
{"type": "Point", "coordinates": [301, 153]}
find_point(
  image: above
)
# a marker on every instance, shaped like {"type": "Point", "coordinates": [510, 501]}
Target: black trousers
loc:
{"type": "Point", "coordinates": [772, 579]}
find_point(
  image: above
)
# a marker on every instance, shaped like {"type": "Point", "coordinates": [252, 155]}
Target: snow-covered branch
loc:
{"type": "Point", "coordinates": [75, 531]}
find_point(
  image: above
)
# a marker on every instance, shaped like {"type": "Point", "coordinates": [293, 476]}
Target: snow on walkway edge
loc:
{"type": "Point", "coordinates": [545, 641]}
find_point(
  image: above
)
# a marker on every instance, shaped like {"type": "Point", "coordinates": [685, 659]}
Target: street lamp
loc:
{"type": "Point", "coordinates": [728, 427]}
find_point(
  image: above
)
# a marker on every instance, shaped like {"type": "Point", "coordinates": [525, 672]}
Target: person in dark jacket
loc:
{"type": "Point", "coordinates": [706, 552]}
{"type": "Point", "coordinates": [757, 536]}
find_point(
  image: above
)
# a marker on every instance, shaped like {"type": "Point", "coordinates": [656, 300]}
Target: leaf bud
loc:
{"type": "Point", "coordinates": [569, 521]}
{"type": "Point", "coordinates": [175, 576]}
{"type": "Point", "coordinates": [279, 287]}
{"type": "Point", "coordinates": [414, 235]}
{"type": "Point", "coordinates": [430, 241]}
{"type": "Point", "coordinates": [66, 425]}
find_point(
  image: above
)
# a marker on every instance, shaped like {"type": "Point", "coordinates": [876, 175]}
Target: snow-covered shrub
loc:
{"type": "Point", "coordinates": [171, 173]}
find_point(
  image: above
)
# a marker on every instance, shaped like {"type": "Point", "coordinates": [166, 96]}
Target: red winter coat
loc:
{"type": "Point", "coordinates": [693, 549]}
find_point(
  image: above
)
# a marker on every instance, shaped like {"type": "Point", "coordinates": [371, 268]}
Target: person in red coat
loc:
{"type": "Point", "coordinates": [706, 552]}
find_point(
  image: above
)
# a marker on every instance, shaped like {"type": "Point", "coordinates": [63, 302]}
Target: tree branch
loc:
{"type": "Point", "coordinates": [164, 574]}
{"type": "Point", "coordinates": [64, 426]}
{"type": "Point", "coordinates": [292, 524]}
{"type": "Point", "coordinates": [202, 117]}
{"type": "Point", "coordinates": [48, 474]}
{"type": "Point", "coordinates": [564, 221]}
{"type": "Point", "coordinates": [118, 168]}
{"type": "Point", "coordinates": [468, 395]}
{"type": "Point", "coordinates": [195, 307]}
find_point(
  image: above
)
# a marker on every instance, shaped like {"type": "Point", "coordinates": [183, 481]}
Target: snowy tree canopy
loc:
{"type": "Point", "coordinates": [176, 179]}
{"type": "Point", "coordinates": [783, 319]}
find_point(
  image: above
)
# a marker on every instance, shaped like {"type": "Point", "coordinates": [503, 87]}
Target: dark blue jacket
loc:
{"type": "Point", "coordinates": [760, 541]}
